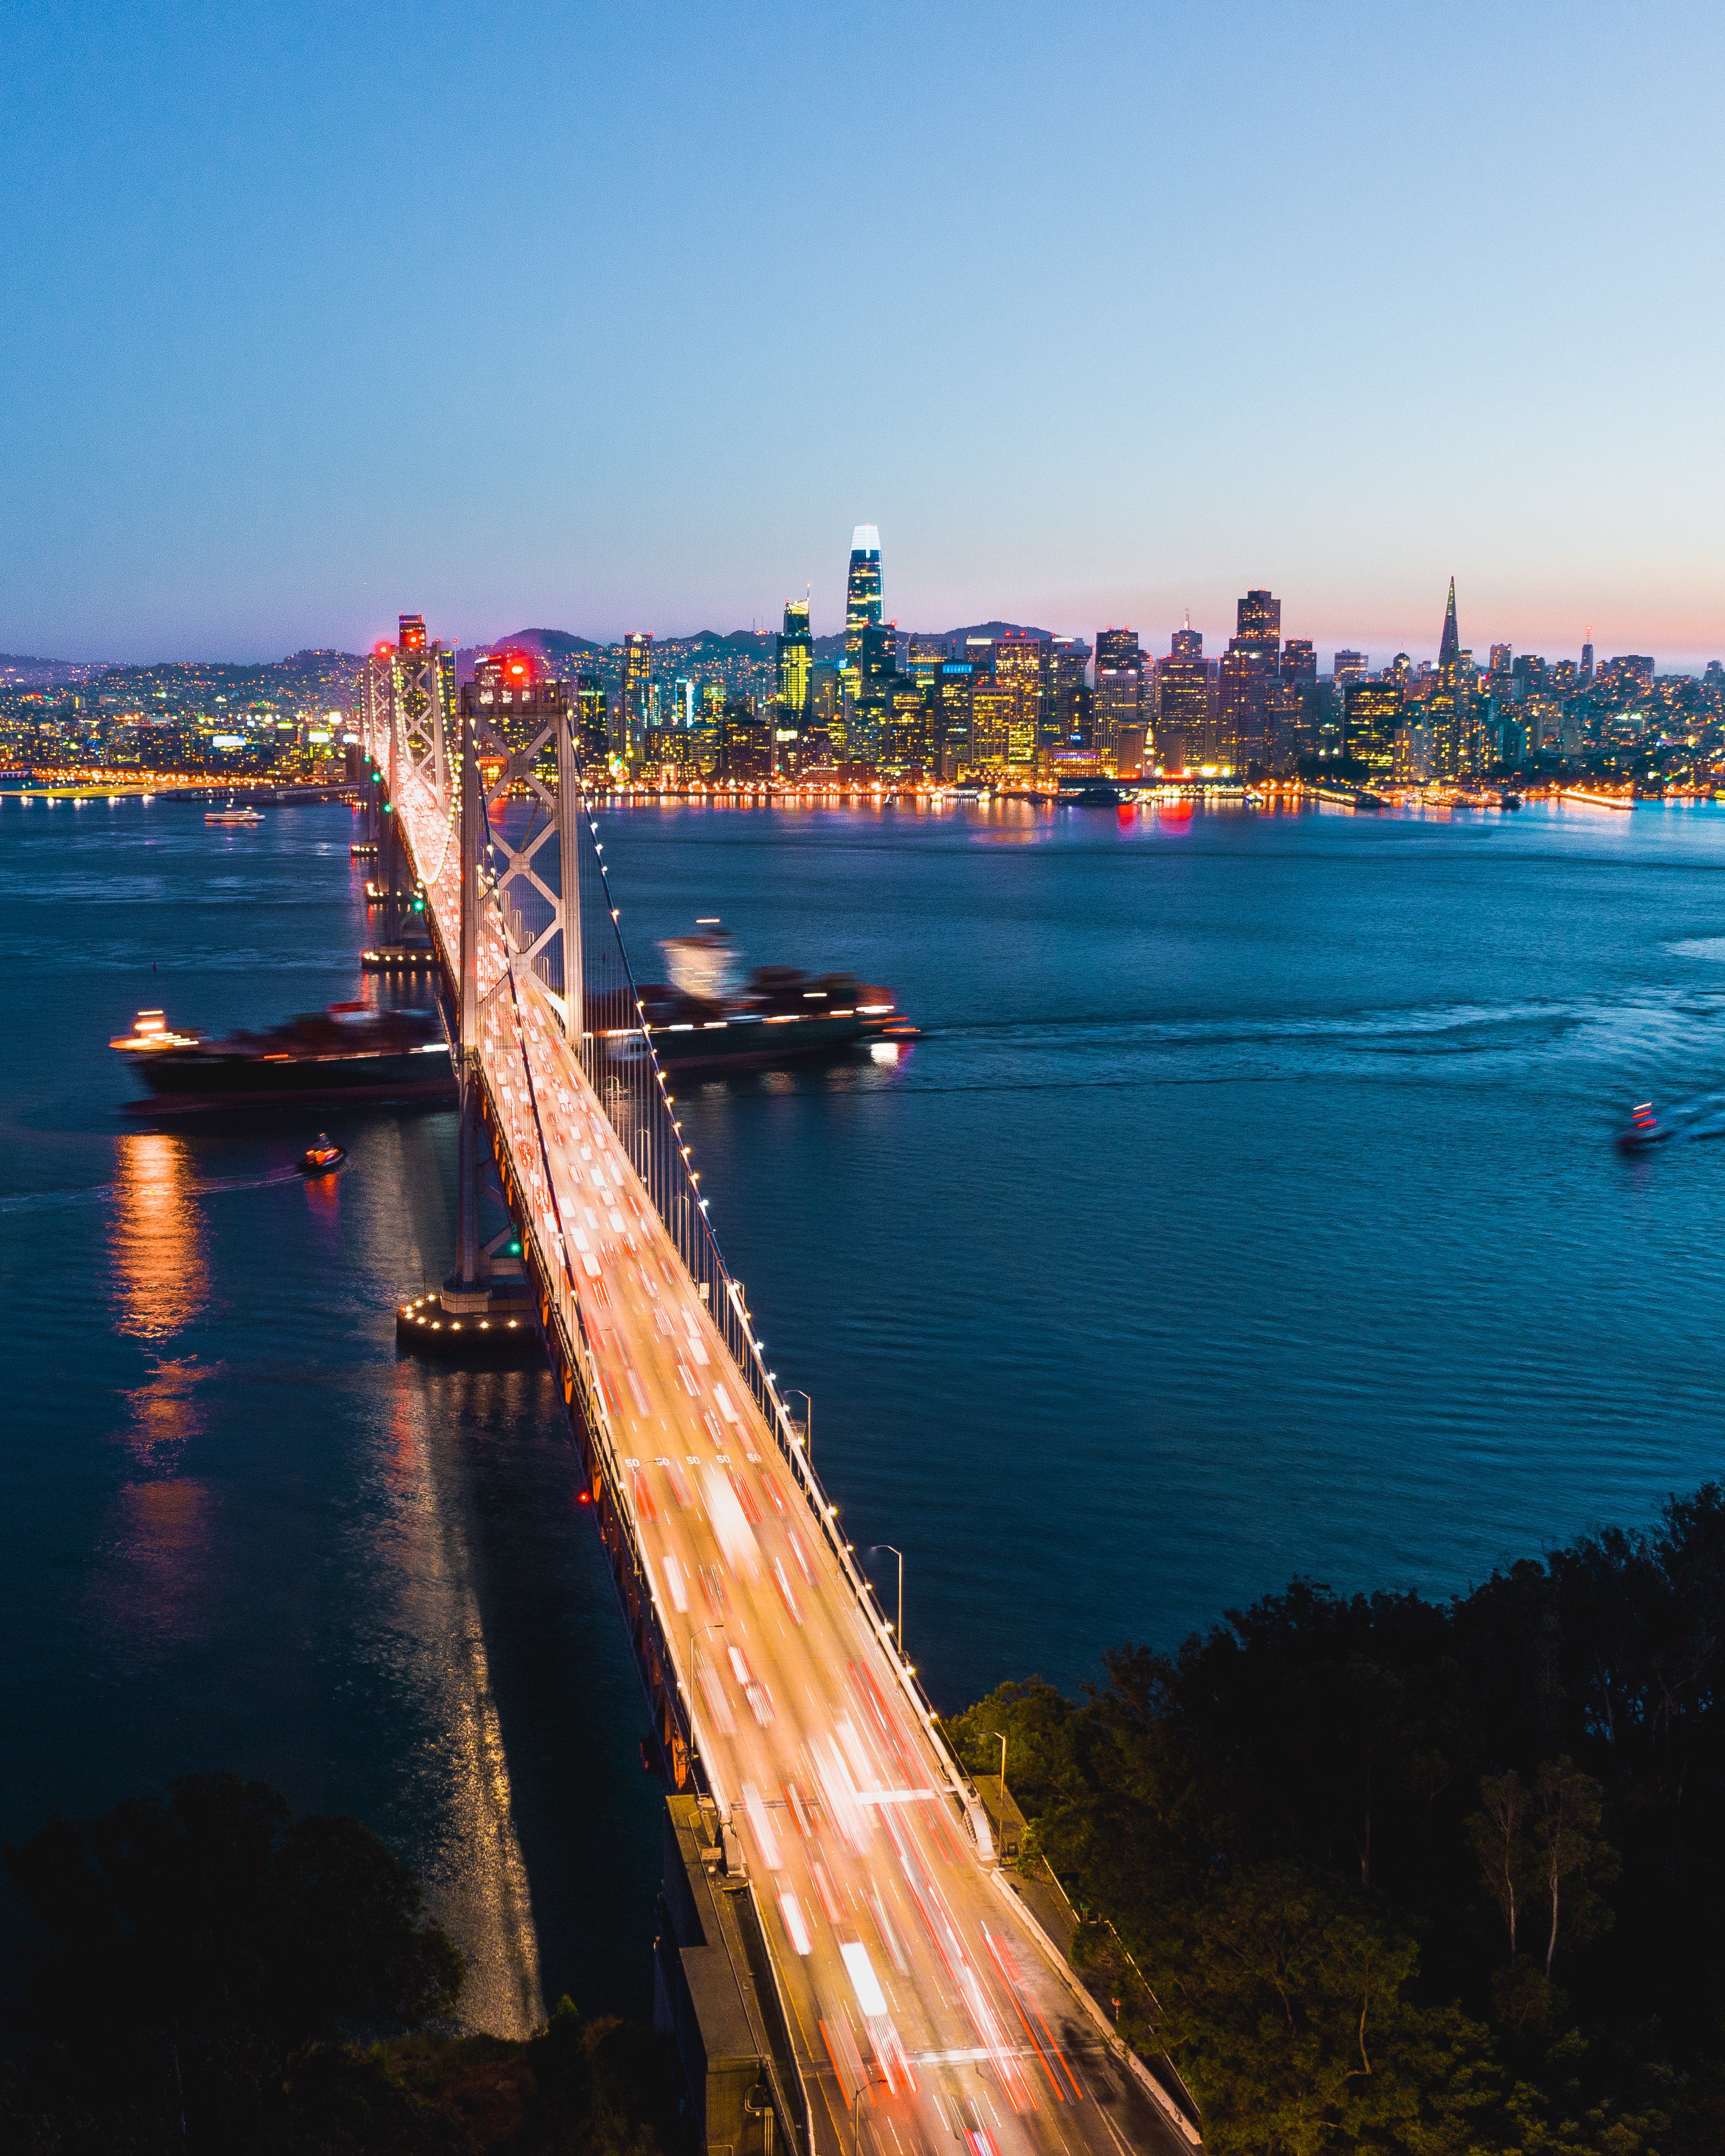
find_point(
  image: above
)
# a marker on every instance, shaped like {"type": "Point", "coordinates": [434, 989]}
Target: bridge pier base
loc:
{"type": "Point", "coordinates": [485, 1312]}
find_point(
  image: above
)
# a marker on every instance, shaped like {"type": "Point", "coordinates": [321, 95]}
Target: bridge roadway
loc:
{"type": "Point", "coordinates": [925, 2011]}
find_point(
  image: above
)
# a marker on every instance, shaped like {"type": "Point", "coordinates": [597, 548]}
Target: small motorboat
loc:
{"type": "Point", "coordinates": [324, 1157]}
{"type": "Point", "coordinates": [1645, 1130]}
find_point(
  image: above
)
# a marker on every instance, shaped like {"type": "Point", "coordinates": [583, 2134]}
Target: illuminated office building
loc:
{"type": "Point", "coordinates": [1185, 704]}
{"type": "Point", "coordinates": [1119, 702]}
{"type": "Point", "coordinates": [825, 706]}
{"type": "Point", "coordinates": [591, 718]}
{"type": "Point", "coordinates": [862, 594]}
{"type": "Point", "coordinates": [928, 654]}
{"type": "Point", "coordinates": [951, 746]}
{"type": "Point", "coordinates": [992, 712]}
{"type": "Point", "coordinates": [1250, 669]}
{"type": "Point", "coordinates": [1021, 669]}
{"type": "Point", "coordinates": [633, 715]}
{"type": "Point", "coordinates": [1068, 658]}
{"type": "Point", "coordinates": [1452, 735]}
{"type": "Point", "coordinates": [794, 652]}
{"type": "Point", "coordinates": [410, 633]}
{"type": "Point", "coordinates": [1349, 666]}
{"type": "Point", "coordinates": [1258, 620]}
{"type": "Point", "coordinates": [905, 730]}
{"type": "Point", "coordinates": [877, 657]}
{"type": "Point", "coordinates": [1299, 661]}
{"type": "Point", "coordinates": [1372, 717]}
{"type": "Point", "coordinates": [514, 693]}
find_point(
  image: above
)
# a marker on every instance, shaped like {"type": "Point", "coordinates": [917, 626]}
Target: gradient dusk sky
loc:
{"type": "Point", "coordinates": [615, 316]}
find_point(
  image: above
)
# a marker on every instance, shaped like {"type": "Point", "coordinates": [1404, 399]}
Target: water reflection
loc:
{"type": "Point", "coordinates": [150, 1593]}
{"type": "Point", "coordinates": [160, 1279]}
{"type": "Point", "coordinates": [477, 1879]}
{"type": "Point", "coordinates": [165, 1413]}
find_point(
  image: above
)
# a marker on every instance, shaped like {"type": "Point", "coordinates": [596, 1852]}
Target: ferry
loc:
{"type": "Point", "coordinates": [231, 816]}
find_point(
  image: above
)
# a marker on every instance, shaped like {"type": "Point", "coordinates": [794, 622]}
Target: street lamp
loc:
{"type": "Point", "coordinates": [900, 1555]}
{"type": "Point", "coordinates": [805, 1428]}
{"type": "Point", "coordinates": [1001, 1735]}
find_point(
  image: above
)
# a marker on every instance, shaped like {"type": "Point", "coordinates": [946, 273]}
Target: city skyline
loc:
{"type": "Point", "coordinates": [1494, 360]}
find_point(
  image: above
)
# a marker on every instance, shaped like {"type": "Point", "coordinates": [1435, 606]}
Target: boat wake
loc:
{"type": "Point", "coordinates": [212, 1186]}
{"type": "Point", "coordinates": [1685, 1122]}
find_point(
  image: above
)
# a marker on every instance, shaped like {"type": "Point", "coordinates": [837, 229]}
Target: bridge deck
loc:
{"type": "Point", "coordinates": [923, 2006]}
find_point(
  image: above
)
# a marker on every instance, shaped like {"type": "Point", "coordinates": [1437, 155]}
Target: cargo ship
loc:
{"type": "Point", "coordinates": [701, 1017]}
{"type": "Point", "coordinates": [351, 1052]}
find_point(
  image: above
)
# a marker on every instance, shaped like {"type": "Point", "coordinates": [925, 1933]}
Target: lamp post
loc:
{"type": "Point", "coordinates": [807, 1431]}
{"type": "Point", "coordinates": [1001, 1734]}
{"type": "Point", "coordinates": [899, 1635]}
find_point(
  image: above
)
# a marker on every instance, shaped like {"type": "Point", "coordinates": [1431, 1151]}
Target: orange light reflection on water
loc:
{"type": "Point", "coordinates": [161, 1276]}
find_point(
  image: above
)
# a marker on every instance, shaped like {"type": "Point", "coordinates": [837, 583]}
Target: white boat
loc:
{"type": "Point", "coordinates": [231, 815]}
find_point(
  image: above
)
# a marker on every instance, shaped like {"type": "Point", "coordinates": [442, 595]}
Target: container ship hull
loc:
{"type": "Point", "coordinates": [350, 1053]}
{"type": "Point", "coordinates": [754, 1043]}
{"type": "Point", "coordinates": [412, 1071]}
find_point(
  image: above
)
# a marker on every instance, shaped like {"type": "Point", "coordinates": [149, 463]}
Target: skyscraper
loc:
{"type": "Point", "coordinates": [1249, 668]}
{"type": "Point", "coordinates": [862, 594]}
{"type": "Point", "coordinates": [1456, 749]}
{"type": "Point", "coordinates": [634, 716]}
{"type": "Point", "coordinates": [1068, 657]}
{"type": "Point", "coordinates": [1258, 619]}
{"type": "Point", "coordinates": [1373, 715]}
{"type": "Point", "coordinates": [1349, 666]}
{"type": "Point", "coordinates": [1021, 667]}
{"type": "Point", "coordinates": [1185, 685]}
{"type": "Point", "coordinates": [1120, 686]}
{"type": "Point", "coordinates": [793, 655]}
{"type": "Point", "coordinates": [1450, 649]}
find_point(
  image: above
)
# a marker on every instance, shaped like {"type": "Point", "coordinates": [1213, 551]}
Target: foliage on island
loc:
{"type": "Point", "coordinates": [208, 1975]}
{"type": "Point", "coordinates": [1405, 1876]}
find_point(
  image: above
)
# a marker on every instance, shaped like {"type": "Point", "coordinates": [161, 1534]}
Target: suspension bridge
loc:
{"type": "Point", "coordinates": [844, 1962]}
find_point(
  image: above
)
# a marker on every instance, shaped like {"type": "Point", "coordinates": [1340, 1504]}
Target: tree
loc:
{"type": "Point", "coordinates": [187, 1959]}
{"type": "Point", "coordinates": [1286, 2008]}
{"type": "Point", "coordinates": [1497, 1837]}
{"type": "Point", "coordinates": [1566, 1835]}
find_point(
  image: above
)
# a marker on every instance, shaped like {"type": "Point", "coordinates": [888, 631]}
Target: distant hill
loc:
{"type": "Point", "coordinates": [559, 642]}
{"type": "Point", "coordinates": [43, 673]}
{"type": "Point", "coordinates": [833, 647]}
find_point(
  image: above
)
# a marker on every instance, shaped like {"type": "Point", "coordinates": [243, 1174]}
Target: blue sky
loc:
{"type": "Point", "coordinates": [599, 317]}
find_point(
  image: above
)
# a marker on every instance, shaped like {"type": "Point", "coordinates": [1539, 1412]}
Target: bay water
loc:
{"type": "Point", "coordinates": [1248, 1207]}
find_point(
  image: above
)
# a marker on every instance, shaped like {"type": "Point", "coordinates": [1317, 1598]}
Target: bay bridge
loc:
{"type": "Point", "coordinates": [843, 1958]}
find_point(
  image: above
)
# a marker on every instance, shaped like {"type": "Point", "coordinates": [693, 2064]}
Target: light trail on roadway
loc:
{"type": "Point", "coordinates": [924, 2010]}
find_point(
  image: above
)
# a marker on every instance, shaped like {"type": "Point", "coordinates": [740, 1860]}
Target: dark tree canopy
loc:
{"type": "Point", "coordinates": [186, 1957]}
{"type": "Point", "coordinates": [1318, 1818]}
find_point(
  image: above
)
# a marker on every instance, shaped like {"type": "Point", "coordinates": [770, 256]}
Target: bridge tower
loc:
{"type": "Point", "coordinates": [503, 757]}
